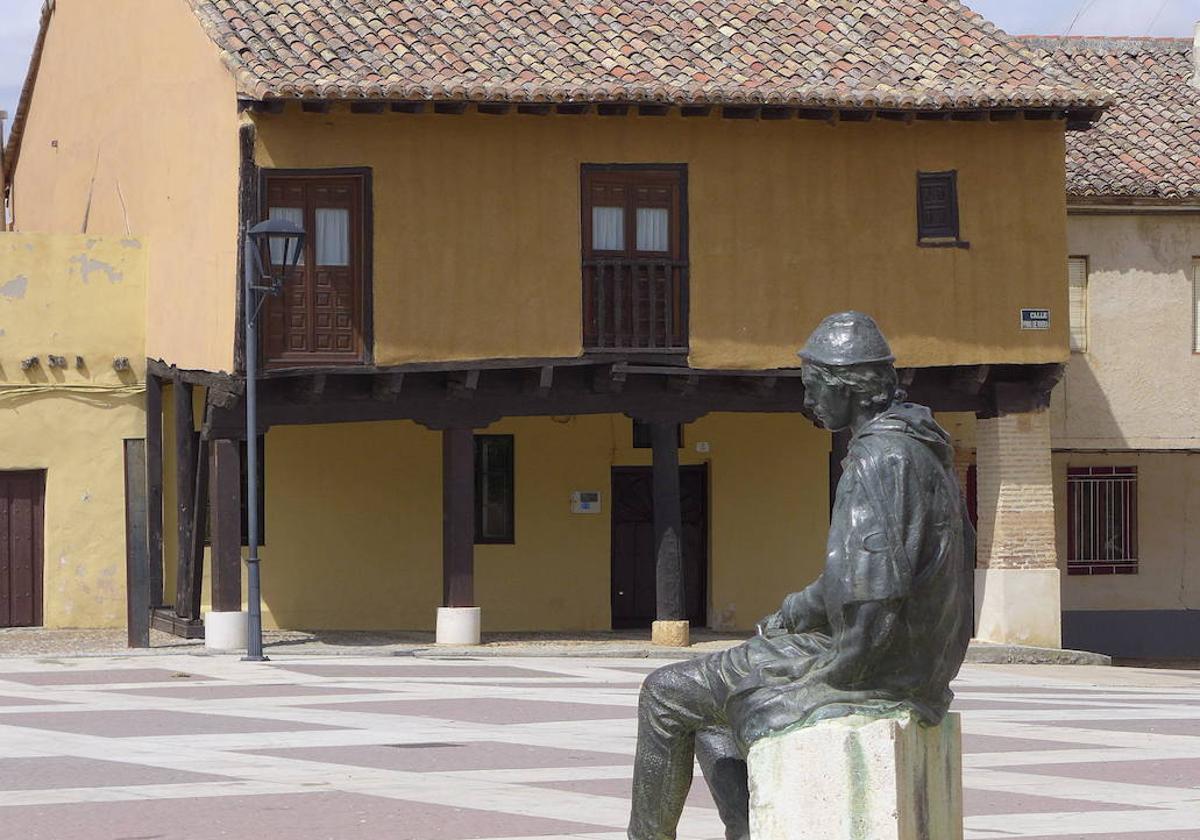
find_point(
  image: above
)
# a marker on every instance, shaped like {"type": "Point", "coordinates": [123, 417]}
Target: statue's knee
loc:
{"type": "Point", "coordinates": [657, 687]}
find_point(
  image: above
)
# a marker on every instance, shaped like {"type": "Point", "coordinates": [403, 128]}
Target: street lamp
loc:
{"type": "Point", "coordinates": [272, 248]}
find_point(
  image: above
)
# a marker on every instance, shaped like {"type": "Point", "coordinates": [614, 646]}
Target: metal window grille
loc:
{"type": "Point", "coordinates": [1102, 521]}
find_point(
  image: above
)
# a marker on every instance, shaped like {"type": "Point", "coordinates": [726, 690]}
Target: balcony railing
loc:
{"type": "Point", "coordinates": [634, 304]}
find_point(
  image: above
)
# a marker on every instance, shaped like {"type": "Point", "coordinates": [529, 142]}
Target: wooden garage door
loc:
{"type": "Point", "coordinates": [21, 515]}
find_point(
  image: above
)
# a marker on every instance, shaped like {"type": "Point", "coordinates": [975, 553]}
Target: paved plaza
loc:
{"type": "Point", "coordinates": [185, 747]}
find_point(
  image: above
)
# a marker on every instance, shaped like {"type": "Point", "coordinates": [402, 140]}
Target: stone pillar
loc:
{"type": "Point", "coordinates": [1016, 580]}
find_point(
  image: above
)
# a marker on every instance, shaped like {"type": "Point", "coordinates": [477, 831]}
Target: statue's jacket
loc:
{"type": "Point", "coordinates": [899, 557]}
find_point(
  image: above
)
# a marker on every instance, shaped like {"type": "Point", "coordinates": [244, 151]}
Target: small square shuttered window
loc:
{"type": "Point", "coordinates": [1077, 277]}
{"type": "Point", "coordinates": [937, 205]}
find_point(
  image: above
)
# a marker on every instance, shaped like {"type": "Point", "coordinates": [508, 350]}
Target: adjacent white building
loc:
{"type": "Point", "coordinates": [1125, 420]}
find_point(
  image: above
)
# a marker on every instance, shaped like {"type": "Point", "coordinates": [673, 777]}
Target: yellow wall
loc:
{"type": "Point", "coordinates": [353, 524]}
{"type": "Point", "coordinates": [74, 296]}
{"type": "Point", "coordinates": [477, 233]}
{"type": "Point", "coordinates": [134, 127]}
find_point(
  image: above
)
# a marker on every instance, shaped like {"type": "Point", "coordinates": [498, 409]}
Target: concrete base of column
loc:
{"type": "Point", "coordinates": [458, 626]}
{"type": "Point", "coordinates": [225, 630]}
{"type": "Point", "coordinates": [671, 633]}
{"type": "Point", "coordinates": [1018, 607]}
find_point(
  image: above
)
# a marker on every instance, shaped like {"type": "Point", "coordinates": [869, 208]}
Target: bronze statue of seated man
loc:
{"type": "Point", "coordinates": [885, 627]}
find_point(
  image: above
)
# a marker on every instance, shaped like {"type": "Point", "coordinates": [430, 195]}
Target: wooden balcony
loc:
{"type": "Point", "coordinates": [635, 304]}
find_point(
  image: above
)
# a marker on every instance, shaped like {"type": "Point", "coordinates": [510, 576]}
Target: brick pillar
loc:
{"type": "Point", "coordinates": [1016, 579]}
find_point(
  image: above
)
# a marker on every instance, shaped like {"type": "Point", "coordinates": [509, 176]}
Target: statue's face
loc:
{"type": "Point", "coordinates": [830, 404]}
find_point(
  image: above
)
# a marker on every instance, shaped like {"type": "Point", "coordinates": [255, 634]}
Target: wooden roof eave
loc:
{"type": "Point", "coordinates": [1077, 117]}
{"type": "Point", "coordinates": [12, 150]}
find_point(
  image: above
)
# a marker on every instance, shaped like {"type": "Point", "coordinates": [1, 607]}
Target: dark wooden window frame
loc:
{"type": "Point", "coordinates": [947, 234]}
{"type": "Point", "coordinates": [509, 478]}
{"type": "Point", "coordinates": [680, 259]}
{"type": "Point", "coordinates": [366, 175]}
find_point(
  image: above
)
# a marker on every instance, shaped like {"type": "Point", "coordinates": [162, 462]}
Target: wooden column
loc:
{"type": "Point", "coordinates": [225, 524]}
{"type": "Point", "coordinates": [154, 488]}
{"type": "Point", "coordinates": [668, 535]}
{"type": "Point", "coordinates": [458, 518]}
{"type": "Point", "coordinates": [185, 491]}
{"type": "Point", "coordinates": [137, 565]}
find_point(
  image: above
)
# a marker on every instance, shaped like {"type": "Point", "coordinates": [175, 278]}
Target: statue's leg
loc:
{"type": "Point", "coordinates": [727, 777]}
{"type": "Point", "coordinates": [675, 703]}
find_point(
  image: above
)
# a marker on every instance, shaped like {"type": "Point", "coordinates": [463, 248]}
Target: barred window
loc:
{"type": "Point", "coordinates": [1102, 521]}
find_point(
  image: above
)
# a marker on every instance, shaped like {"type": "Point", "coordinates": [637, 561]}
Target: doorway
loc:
{"type": "Point", "coordinates": [22, 505]}
{"type": "Point", "coordinates": [633, 555]}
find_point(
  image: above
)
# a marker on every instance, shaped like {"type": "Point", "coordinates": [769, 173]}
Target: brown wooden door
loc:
{"type": "Point", "coordinates": [319, 318]}
{"type": "Point", "coordinates": [21, 515]}
{"type": "Point", "coordinates": [633, 557]}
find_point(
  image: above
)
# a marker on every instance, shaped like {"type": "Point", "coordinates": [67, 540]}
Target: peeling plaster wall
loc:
{"type": "Point", "coordinates": [133, 128]}
{"type": "Point", "coordinates": [78, 296]}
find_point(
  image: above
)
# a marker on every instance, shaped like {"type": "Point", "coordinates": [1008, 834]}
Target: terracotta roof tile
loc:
{"type": "Point", "coordinates": [1147, 145]}
{"type": "Point", "coordinates": [911, 54]}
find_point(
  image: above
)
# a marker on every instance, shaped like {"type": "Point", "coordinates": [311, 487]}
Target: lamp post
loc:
{"type": "Point", "coordinates": [281, 243]}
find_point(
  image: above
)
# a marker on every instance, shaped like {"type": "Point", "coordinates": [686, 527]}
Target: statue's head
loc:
{"type": "Point", "coordinates": [848, 370]}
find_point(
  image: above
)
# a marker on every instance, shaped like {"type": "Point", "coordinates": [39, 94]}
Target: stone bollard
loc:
{"type": "Point", "coordinates": [859, 778]}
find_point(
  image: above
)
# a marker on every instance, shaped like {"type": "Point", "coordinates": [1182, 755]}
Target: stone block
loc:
{"type": "Point", "coordinates": [859, 778]}
{"type": "Point", "coordinates": [1018, 607]}
{"type": "Point", "coordinates": [671, 633]}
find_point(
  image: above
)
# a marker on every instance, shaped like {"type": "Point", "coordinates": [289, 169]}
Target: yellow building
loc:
{"type": "Point", "coordinates": [542, 259]}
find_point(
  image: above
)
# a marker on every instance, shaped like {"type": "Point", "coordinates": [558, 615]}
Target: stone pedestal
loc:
{"type": "Point", "coordinates": [458, 626]}
{"type": "Point", "coordinates": [858, 778]}
{"type": "Point", "coordinates": [225, 630]}
{"type": "Point", "coordinates": [671, 633]}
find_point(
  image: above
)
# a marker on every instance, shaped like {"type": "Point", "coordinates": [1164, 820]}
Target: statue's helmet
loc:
{"type": "Point", "coordinates": [847, 338]}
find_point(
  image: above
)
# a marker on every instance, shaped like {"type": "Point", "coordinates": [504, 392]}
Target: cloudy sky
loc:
{"type": "Point", "coordinates": [18, 25]}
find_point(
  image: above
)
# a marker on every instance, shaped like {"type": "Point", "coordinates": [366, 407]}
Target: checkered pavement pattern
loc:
{"type": "Point", "coordinates": [339, 748]}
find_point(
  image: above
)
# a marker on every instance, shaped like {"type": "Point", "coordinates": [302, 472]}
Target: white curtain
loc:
{"type": "Point", "coordinates": [295, 215]}
{"type": "Point", "coordinates": [333, 236]}
{"type": "Point", "coordinates": [608, 229]}
{"type": "Point", "coordinates": [652, 225]}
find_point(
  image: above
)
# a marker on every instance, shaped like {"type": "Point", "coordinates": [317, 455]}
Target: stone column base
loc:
{"type": "Point", "coordinates": [671, 633]}
{"type": "Point", "coordinates": [225, 630]}
{"type": "Point", "coordinates": [458, 626]}
{"type": "Point", "coordinates": [859, 777]}
{"type": "Point", "coordinates": [1018, 607]}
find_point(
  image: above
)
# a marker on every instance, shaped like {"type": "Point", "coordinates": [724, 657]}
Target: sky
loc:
{"type": "Point", "coordinates": [19, 19]}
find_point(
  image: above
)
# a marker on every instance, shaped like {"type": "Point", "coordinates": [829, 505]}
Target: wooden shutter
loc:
{"type": "Point", "coordinates": [1077, 274]}
{"type": "Point", "coordinates": [319, 319]}
{"type": "Point", "coordinates": [1196, 305]}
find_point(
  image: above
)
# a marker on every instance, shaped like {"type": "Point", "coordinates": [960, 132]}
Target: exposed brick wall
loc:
{"type": "Point", "coordinates": [1016, 492]}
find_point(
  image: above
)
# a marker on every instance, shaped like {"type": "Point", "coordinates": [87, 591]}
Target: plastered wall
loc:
{"type": "Point", "coordinates": [133, 128]}
{"type": "Point", "coordinates": [1138, 384]}
{"type": "Point", "coordinates": [1168, 500]}
{"type": "Point", "coordinates": [74, 296]}
{"type": "Point", "coordinates": [477, 230]}
{"type": "Point", "coordinates": [353, 523]}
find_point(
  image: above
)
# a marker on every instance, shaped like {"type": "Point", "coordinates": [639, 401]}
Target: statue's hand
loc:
{"type": "Point", "coordinates": [772, 625]}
